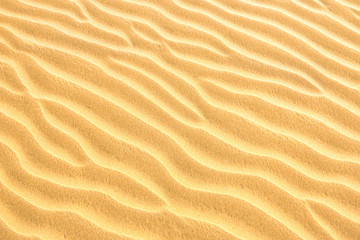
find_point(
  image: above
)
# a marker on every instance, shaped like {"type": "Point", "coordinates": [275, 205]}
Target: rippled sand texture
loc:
{"type": "Point", "coordinates": [180, 119]}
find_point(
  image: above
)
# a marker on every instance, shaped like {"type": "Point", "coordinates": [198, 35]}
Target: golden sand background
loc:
{"type": "Point", "coordinates": [180, 119]}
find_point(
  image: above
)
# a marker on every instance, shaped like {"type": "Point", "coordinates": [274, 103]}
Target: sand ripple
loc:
{"type": "Point", "coordinates": [180, 119]}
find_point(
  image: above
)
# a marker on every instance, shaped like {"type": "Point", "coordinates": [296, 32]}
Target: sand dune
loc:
{"type": "Point", "coordinates": [180, 119]}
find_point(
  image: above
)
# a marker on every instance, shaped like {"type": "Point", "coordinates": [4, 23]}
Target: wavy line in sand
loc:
{"type": "Point", "coordinates": [179, 120]}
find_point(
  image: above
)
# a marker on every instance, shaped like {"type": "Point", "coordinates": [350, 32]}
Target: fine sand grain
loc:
{"type": "Point", "coordinates": [180, 119]}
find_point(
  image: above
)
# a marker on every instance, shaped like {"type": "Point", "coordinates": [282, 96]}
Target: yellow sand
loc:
{"type": "Point", "coordinates": [180, 119]}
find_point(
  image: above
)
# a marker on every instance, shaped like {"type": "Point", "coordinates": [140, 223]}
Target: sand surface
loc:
{"type": "Point", "coordinates": [180, 119]}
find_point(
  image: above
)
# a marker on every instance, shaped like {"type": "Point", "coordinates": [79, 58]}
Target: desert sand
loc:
{"type": "Point", "coordinates": [180, 119]}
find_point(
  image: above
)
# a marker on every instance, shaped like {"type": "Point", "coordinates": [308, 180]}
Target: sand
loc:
{"type": "Point", "coordinates": [180, 119]}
